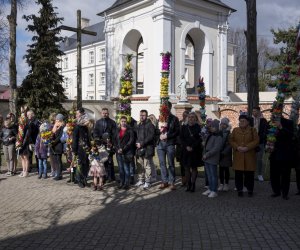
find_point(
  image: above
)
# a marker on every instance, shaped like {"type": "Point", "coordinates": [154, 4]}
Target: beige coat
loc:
{"type": "Point", "coordinates": [246, 138]}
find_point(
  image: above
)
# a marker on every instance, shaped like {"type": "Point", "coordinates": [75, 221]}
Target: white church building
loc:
{"type": "Point", "coordinates": [194, 31]}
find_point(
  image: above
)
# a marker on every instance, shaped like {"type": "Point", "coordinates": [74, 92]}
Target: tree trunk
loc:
{"type": "Point", "coordinates": [12, 19]}
{"type": "Point", "coordinates": [252, 65]}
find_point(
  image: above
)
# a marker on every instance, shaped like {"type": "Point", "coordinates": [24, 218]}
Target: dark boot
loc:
{"type": "Point", "coordinates": [188, 187]}
{"type": "Point", "coordinates": [193, 187]}
{"type": "Point", "coordinates": [131, 180]}
{"type": "Point", "coordinates": [183, 181]}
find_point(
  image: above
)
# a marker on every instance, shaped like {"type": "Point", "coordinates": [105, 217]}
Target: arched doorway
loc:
{"type": "Point", "coordinates": [194, 42]}
{"type": "Point", "coordinates": [134, 44]}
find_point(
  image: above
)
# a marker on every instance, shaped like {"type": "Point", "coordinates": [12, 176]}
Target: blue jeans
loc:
{"type": "Point", "coordinates": [164, 151]}
{"type": "Point", "coordinates": [43, 166]}
{"type": "Point", "coordinates": [212, 175]}
{"type": "Point", "coordinates": [124, 170]}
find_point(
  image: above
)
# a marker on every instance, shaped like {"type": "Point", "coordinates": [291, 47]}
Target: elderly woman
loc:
{"type": "Point", "coordinates": [244, 140]}
{"type": "Point", "coordinates": [191, 157]}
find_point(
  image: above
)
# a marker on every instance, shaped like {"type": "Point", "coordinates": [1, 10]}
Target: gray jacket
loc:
{"type": "Point", "coordinates": [212, 149]}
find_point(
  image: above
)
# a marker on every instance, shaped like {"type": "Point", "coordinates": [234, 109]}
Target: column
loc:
{"type": "Point", "coordinates": [222, 88]}
{"type": "Point", "coordinates": [163, 41]}
{"type": "Point", "coordinates": [109, 84]}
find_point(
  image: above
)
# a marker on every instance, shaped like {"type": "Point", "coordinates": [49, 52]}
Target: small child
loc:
{"type": "Point", "coordinates": [97, 159]}
{"type": "Point", "coordinates": [42, 150]}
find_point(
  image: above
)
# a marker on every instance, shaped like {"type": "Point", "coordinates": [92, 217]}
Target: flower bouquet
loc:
{"type": "Point", "coordinates": [126, 90]}
{"type": "Point", "coordinates": [277, 107]}
{"type": "Point", "coordinates": [201, 96]}
{"type": "Point", "coordinates": [46, 133]}
{"type": "Point", "coordinates": [164, 92]}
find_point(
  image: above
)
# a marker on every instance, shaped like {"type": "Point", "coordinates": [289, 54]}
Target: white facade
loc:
{"type": "Point", "coordinates": [93, 72]}
{"type": "Point", "coordinates": [145, 28]}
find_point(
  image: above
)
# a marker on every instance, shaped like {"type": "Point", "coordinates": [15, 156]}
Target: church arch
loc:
{"type": "Point", "coordinates": [133, 43]}
{"type": "Point", "coordinates": [195, 48]}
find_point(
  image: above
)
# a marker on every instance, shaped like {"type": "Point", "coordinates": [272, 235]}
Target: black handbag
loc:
{"type": "Point", "coordinates": [140, 152]}
{"type": "Point", "coordinates": [128, 157]}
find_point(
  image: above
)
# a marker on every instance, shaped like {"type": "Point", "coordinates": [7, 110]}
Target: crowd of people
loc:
{"type": "Point", "coordinates": [89, 148]}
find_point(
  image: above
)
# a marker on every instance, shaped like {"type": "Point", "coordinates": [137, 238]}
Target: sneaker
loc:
{"type": "Point", "coordinates": [207, 187]}
{"type": "Point", "coordinates": [40, 176]}
{"type": "Point", "coordinates": [8, 174]}
{"type": "Point", "coordinates": [147, 185]}
{"type": "Point", "coordinates": [226, 187]}
{"type": "Point", "coordinates": [21, 175]}
{"type": "Point", "coordinates": [207, 192]}
{"type": "Point", "coordinates": [221, 187]}
{"type": "Point", "coordinates": [245, 190]}
{"type": "Point", "coordinates": [213, 195]}
{"type": "Point", "coordinates": [139, 183]}
{"type": "Point", "coordinates": [260, 178]}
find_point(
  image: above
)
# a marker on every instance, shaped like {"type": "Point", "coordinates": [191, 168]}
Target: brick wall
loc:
{"type": "Point", "coordinates": [232, 111]}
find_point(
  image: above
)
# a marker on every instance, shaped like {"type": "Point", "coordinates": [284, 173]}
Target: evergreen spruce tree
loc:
{"type": "Point", "coordinates": [42, 90]}
{"type": "Point", "coordinates": [288, 54]}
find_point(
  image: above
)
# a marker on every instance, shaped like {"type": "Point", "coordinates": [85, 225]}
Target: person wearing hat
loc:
{"type": "Point", "coordinates": [211, 157]}
{"type": "Point", "coordinates": [244, 140]}
{"type": "Point", "coordinates": [226, 155]}
{"type": "Point", "coordinates": [57, 147]}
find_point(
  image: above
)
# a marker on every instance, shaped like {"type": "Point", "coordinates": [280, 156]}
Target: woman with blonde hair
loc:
{"type": "Point", "coordinates": [154, 121]}
{"type": "Point", "coordinates": [22, 143]}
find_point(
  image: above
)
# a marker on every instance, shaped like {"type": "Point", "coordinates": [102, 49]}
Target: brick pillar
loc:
{"type": "Point", "coordinates": [180, 108]}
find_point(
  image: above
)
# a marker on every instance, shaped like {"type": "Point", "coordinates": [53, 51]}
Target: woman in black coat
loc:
{"type": "Point", "coordinates": [81, 145]}
{"type": "Point", "coordinates": [57, 147]}
{"type": "Point", "coordinates": [123, 143]}
{"type": "Point", "coordinates": [191, 150]}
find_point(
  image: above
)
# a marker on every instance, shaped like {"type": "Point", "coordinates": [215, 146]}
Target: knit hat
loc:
{"type": "Point", "coordinates": [244, 116]}
{"type": "Point", "coordinates": [215, 124]}
{"type": "Point", "coordinates": [225, 121]}
{"type": "Point", "coordinates": [59, 117]}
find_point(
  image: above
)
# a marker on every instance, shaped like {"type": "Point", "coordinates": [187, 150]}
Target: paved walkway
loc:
{"type": "Point", "coordinates": [44, 214]}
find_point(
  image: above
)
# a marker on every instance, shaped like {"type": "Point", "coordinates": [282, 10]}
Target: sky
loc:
{"type": "Point", "coordinates": [270, 14]}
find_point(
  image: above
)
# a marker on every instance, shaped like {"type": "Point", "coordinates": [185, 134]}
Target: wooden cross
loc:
{"type": "Point", "coordinates": [79, 31]}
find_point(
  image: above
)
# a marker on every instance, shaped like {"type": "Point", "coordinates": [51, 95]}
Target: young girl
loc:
{"type": "Point", "coordinates": [42, 150]}
{"type": "Point", "coordinates": [211, 157]}
{"type": "Point", "coordinates": [97, 158]}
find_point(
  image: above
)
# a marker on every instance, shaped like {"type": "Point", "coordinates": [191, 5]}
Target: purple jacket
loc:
{"type": "Point", "coordinates": [41, 149]}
